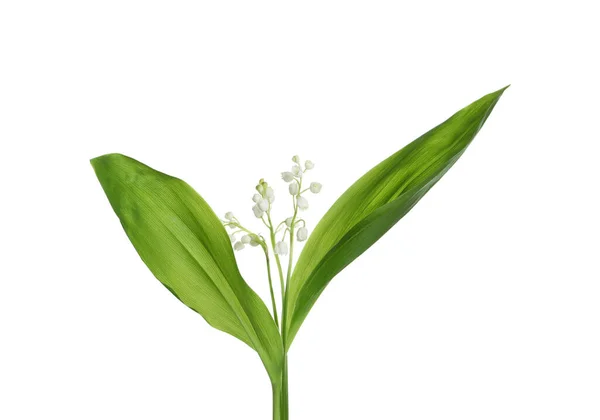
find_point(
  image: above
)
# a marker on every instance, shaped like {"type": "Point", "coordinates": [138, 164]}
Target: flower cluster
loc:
{"type": "Point", "coordinates": [247, 238]}
{"type": "Point", "coordinates": [263, 200]}
{"type": "Point", "coordinates": [294, 178]}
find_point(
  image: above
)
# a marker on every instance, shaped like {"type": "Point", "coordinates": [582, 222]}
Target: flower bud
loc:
{"type": "Point", "coordinates": [257, 211]}
{"type": "Point", "coordinates": [270, 194]}
{"type": "Point", "coordinates": [302, 234]}
{"type": "Point", "coordinates": [238, 246]}
{"type": "Point", "coordinates": [232, 237]}
{"type": "Point", "coordinates": [229, 216]}
{"type": "Point", "coordinates": [254, 241]}
{"type": "Point", "coordinates": [246, 239]}
{"type": "Point", "coordinates": [281, 248]}
{"type": "Point", "coordinates": [302, 203]}
{"type": "Point", "coordinates": [263, 204]}
{"type": "Point", "coordinates": [287, 176]}
{"type": "Point", "coordinates": [309, 165]}
{"type": "Point", "coordinates": [256, 197]}
{"type": "Point", "coordinates": [262, 187]}
{"type": "Point", "coordinates": [288, 221]}
{"type": "Point", "coordinates": [296, 159]}
{"type": "Point", "coordinates": [315, 187]}
{"type": "Point", "coordinates": [297, 171]}
{"type": "Point", "coordinates": [294, 188]}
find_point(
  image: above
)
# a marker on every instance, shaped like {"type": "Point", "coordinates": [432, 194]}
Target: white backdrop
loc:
{"type": "Point", "coordinates": [483, 303]}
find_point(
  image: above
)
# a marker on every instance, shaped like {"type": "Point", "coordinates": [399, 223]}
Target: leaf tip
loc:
{"type": "Point", "coordinates": [501, 91]}
{"type": "Point", "coordinates": [489, 101]}
{"type": "Point", "coordinates": [497, 94]}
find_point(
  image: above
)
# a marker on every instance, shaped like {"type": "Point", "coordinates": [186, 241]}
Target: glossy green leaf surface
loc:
{"type": "Point", "coordinates": [184, 244]}
{"type": "Point", "coordinates": [372, 205]}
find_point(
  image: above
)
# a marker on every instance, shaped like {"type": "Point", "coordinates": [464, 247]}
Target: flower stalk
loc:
{"type": "Point", "coordinates": [273, 302]}
{"type": "Point", "coordinates": [279, 247]}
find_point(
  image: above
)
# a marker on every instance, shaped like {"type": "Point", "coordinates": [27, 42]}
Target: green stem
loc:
{"type": "Point", "coordinates": [280, 391]}
{"type": "Point", "coordinates": [280, 396]}
{"type": "Point", "coordinates": [290, 261]}
{"type": "Point", "coordinates": [275, 316]}
{"type": "Point", "coordinates": [277, 415]}
{"type": "Point", "coordinates": [277, 260]}
{"type": "Point", "coordinates": [289, 272]}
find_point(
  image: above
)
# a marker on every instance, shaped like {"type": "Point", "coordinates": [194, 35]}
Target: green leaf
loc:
{"type": "Point", "coordinates": [371, 206]}
{"type": "Point", "coordinates": [186, 247]}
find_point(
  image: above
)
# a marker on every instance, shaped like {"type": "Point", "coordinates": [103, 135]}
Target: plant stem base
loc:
{"type": "Point", "coordinates": [280, 396]}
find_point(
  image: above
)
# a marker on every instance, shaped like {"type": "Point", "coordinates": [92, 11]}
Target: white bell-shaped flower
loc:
{"type": "Point", "coordinates": [297, 171]}
{"type": "Point", "coordinates": [294, 188]}
{"type": "Point", "coordinates": [238, 246]}
{"type": "Point", "coordinates": [281, 248]}
{"type": "Point", "coordinates": [302, 203]}
{"type": "Point", "coordinates": [229, 216]}
{"type": "Point", "coordinates": [287, 176]}
{"type": "Point", "coordinates": [263, 204]}
{"type": "Point", "coordinates": [256, 198]}
{"type": "Point", "coordinates": [302, 234]}
{"type": "Point", "coordinates": [288, 221]}
{"type": "Point", "coordinates": [296, 159]}
{"type": "Point", "coordinates": [257, 211]}
{"type": "Point", "coordinates": [246, 239]}
{"type": "Point", "coordinates": [232, 237]}
{"type": "Point", "coordinates": [315, 187]}
{"type": "Point", "coordinates": [270, 194]}
{"type": "Point", "coordinates": [308, 165]}
{"type": "Point", "coordinates": [254, 241]}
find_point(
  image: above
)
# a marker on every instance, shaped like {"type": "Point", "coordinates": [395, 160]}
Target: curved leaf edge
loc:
{"type": "Point", "coordinates": [273, 364]}
{"type": "Point", "coordinates": [295, 316]}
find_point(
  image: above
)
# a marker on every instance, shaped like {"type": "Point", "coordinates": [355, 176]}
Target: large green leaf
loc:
{"type": "Point", "coordinates": [184, 244]}
{"type": "Point", "coordinates": [371, 206]}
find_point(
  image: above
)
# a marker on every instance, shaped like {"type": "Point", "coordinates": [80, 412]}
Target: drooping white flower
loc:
{"type": "Point", "coordinates": [257, 211]}
{"type": "Point", "coordinates": [288, 221]}
{"type": "Point", "coordinates": [281, 248]}
{"type": "Point", "coordinates": [294, 188]}
{"type": "Point", "coordinates": [296, 159]}
{"type": "Point", "coordinates": [302, 203]}
{"type": "Point", "coordinates": [315, 187]}
{"type": "Point", "coordinates": [263, 204]}
{"type": "Point", "coordinates": [254, 241]}
{"type": "Point", "coordinates": [302, 234]}
{"type": "Point", "coordinates": [246, 239]}
{"type": "Point", "coordinates": [270, 194]}
{"type": "Point", "coordinates": [229, 216]}
{"type": "Point", "coordinates": [238, 246]}
{"type": "Point", "coordinates": [232, 237]}
{"type": "Point", "coordinates": [309, 165]}
{"type": "Point", "coordinates": [287, 176]}
{"type": "Point", "coordinates": [256, 198]}
{"type": "Point", "coordinates": [297, 171]}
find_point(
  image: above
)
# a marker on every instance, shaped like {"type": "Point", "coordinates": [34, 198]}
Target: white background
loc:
{"type": "Point", "coordinates": [483, 303]}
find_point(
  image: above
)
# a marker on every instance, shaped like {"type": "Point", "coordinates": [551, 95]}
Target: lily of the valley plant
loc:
{"type": "Point", "coordinates": [190, 250]}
